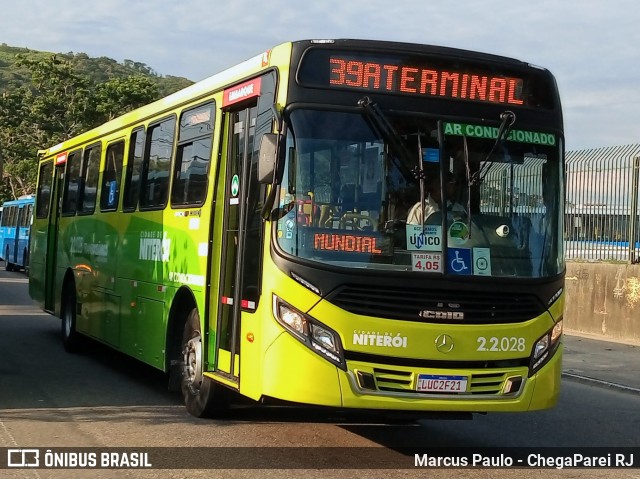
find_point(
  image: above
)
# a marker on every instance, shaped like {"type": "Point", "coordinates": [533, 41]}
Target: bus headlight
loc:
{"type": "Point", "coordinates": [541, 346]}
{"type": "Point", "coordinates": [292, 319]}
{"type": "Point", "coordinates": [545, 347]}
{"type": "Point", "coordinates": [316, 336]}
{"type": "Point", "coordinates": [324, 337]}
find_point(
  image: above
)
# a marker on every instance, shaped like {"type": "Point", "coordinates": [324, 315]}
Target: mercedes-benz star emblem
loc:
{"type": "Point", "coordinates": [444, 343]}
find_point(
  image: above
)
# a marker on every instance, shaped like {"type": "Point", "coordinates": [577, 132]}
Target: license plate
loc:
{"type": "Point", "coordinates": [441, 384]}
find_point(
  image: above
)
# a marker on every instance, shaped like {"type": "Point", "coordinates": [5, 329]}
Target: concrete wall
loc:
{"type": "Point", "coordinates": [603, 300]}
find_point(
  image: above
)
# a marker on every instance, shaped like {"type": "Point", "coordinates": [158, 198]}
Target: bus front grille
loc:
{"type": "Point", "coordinates": [404, 382]}
{"type": "Point", "coordinates": [437, 306]}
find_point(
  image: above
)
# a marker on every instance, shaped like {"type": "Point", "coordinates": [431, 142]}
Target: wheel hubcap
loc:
{"type": "Point", "coordinates": [67, 322]}
{"type": "Point", "coordinates": [192, 364]}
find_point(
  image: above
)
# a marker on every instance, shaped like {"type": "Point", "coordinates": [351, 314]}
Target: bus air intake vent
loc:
{"type": "Point", "coordinates": [437, 306]}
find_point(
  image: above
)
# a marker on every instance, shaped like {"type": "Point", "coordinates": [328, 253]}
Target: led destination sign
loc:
{"type": "Point", "coordinates": [320, 241]}
{"type": "Point", "coordinates": [392, 78]}
{"type": "Point", "coordinates": [428, 76]}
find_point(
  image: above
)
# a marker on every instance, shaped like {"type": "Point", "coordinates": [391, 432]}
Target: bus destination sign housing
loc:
{"type": "Point", "coordinates": [426, 76]}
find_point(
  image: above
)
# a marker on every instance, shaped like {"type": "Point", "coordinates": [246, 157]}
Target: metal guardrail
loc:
{"type": "Point", "coordinates": [601, 221]}
{"type": "Point", "coordinates": [601, 211]}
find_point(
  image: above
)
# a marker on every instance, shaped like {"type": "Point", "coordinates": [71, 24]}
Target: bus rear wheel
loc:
{"type": "Point", "coordinates": [202, 396]}
{"type": "Point", "coordinates": [71, 339]}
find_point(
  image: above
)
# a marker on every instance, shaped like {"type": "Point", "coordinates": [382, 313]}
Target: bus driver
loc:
{"type": "Point", "coordinates": [433, 200]}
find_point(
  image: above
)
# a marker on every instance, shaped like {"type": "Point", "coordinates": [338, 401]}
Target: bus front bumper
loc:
{"type": "Point", "coordinates": [310, 379]}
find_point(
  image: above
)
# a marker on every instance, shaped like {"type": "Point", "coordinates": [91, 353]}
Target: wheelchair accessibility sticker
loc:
{"type": "Point", "coordinates": [459, 261]}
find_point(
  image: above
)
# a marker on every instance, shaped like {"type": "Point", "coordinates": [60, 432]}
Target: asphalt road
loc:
{"type": "Point", "coordinates": [52, 399]}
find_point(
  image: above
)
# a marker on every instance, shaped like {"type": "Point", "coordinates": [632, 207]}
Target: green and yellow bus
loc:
{"type": "Point", "coordinates": [251, 234]}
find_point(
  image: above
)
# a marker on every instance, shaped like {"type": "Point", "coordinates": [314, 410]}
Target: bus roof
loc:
{"type": "Point", "coordinates": [380, 45]}
{"type": "Point", "coordinates": [278, 55]}
{"type": "Point", "coordinates": [24, 199]}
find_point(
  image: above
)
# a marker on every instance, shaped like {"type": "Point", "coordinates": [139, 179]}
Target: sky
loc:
{"type": "Point", "coordinates": [592, 47]}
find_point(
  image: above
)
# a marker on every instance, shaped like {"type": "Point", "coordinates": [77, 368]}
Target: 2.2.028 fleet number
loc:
{"type": "Point", "coordinates": [502, 344]}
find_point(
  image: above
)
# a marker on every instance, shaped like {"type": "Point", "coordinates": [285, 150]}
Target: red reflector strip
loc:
{"type": "Point", "coordinates": [226, 300]}
{"type": "Point", "coordinates": [245, 303]}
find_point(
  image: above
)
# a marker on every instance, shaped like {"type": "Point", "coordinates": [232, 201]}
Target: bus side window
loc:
{"type": "Point", "coordinates": [193, 157]}
{"type": "Point", "coordinates": [71, 184]}
{"type": "Point", "coordinates": [24, 219]}
{"type": "Point", "coordinates": [110, 193]}
{"type": "Point", "coordinates": [154, 188]}
{"type": "Point", "coordinates": [89, 186]}
{"type": "Point", "coordinates": [43, 198]}
{"type": "Point", "coordinates": [12, 217]}
{"type": "Point", "coordinates": [134, 171]}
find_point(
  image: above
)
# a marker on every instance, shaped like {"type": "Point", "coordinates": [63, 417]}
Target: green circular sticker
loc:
{"type": "Point", "coordinates": [459, 232]}
{"type": "Point", "coordinates": [235, 185]}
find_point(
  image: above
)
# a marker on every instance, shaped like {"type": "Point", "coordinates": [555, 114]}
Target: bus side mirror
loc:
{"type": "Point", "coordinates": [267, 157]}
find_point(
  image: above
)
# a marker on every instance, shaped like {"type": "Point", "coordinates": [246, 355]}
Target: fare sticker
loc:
{"type": "Point", "coordinates": [426, 262]}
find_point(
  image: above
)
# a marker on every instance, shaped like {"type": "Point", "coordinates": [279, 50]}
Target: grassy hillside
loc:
{"type": "Point", "coordinates": [97, 70]}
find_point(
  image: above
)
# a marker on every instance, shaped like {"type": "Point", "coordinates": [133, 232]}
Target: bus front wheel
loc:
{"type": "Point", "coordinates": [7, 266]}
{"type": "Point", "coordinates": [202, 396]}
{"type": "Point", "coordinates": [25, 262]}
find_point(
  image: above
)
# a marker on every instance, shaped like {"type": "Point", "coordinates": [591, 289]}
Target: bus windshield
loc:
{"type": "Point", "coordinates": [353, 195]}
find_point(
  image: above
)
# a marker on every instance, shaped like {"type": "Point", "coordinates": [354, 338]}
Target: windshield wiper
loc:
{"type": "Point", "coordinates": [382, 127]}
{"type": "Point", "coordinates": [508, 119]}
{"type": "Point", "coordinates": [420, 175]}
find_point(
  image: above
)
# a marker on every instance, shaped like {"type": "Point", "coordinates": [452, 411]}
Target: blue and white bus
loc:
{"type": "Point", "coordinates": [15, 227]}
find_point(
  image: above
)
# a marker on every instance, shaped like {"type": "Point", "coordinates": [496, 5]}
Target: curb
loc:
{"type": "Point", "coordinates": [600, 382]}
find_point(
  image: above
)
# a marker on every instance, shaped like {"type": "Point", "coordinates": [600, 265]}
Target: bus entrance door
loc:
{"type": "Point", "coordinates": [240, 127]}
{"type": "Point", "coordinates": [12, 257]}
{"type": "Point", "coordinates": [52, 239]}
{"type": "Point", "coordinates": [16, 256]}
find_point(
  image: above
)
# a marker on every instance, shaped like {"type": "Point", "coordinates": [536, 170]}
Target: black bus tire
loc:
{"type": "Point", "coordinates": [202, 396]}
{"type": "Point", "coordinates": [25, 262]}
{"type": "Point", "coordinates": [71, 339]}
{"type": "Point", "coordinates": [7, 266]}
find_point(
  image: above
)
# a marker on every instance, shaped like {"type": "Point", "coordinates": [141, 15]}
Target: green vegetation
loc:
{"type": "Point", "coordinates": [46, 98]}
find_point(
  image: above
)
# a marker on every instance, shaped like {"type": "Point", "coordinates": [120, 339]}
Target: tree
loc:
{"type": "Point", "coordinates": [59, 102]}
{"type": "Point", "coordinates": [120, 95]}
{"type": "Point", "coordinates": [16, 146]}
{"type": "Point", "coordinates": [56, 105]}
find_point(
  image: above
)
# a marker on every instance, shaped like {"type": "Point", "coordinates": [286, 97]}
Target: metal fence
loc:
{"type": "Point", "coordinates": [601, 212]}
